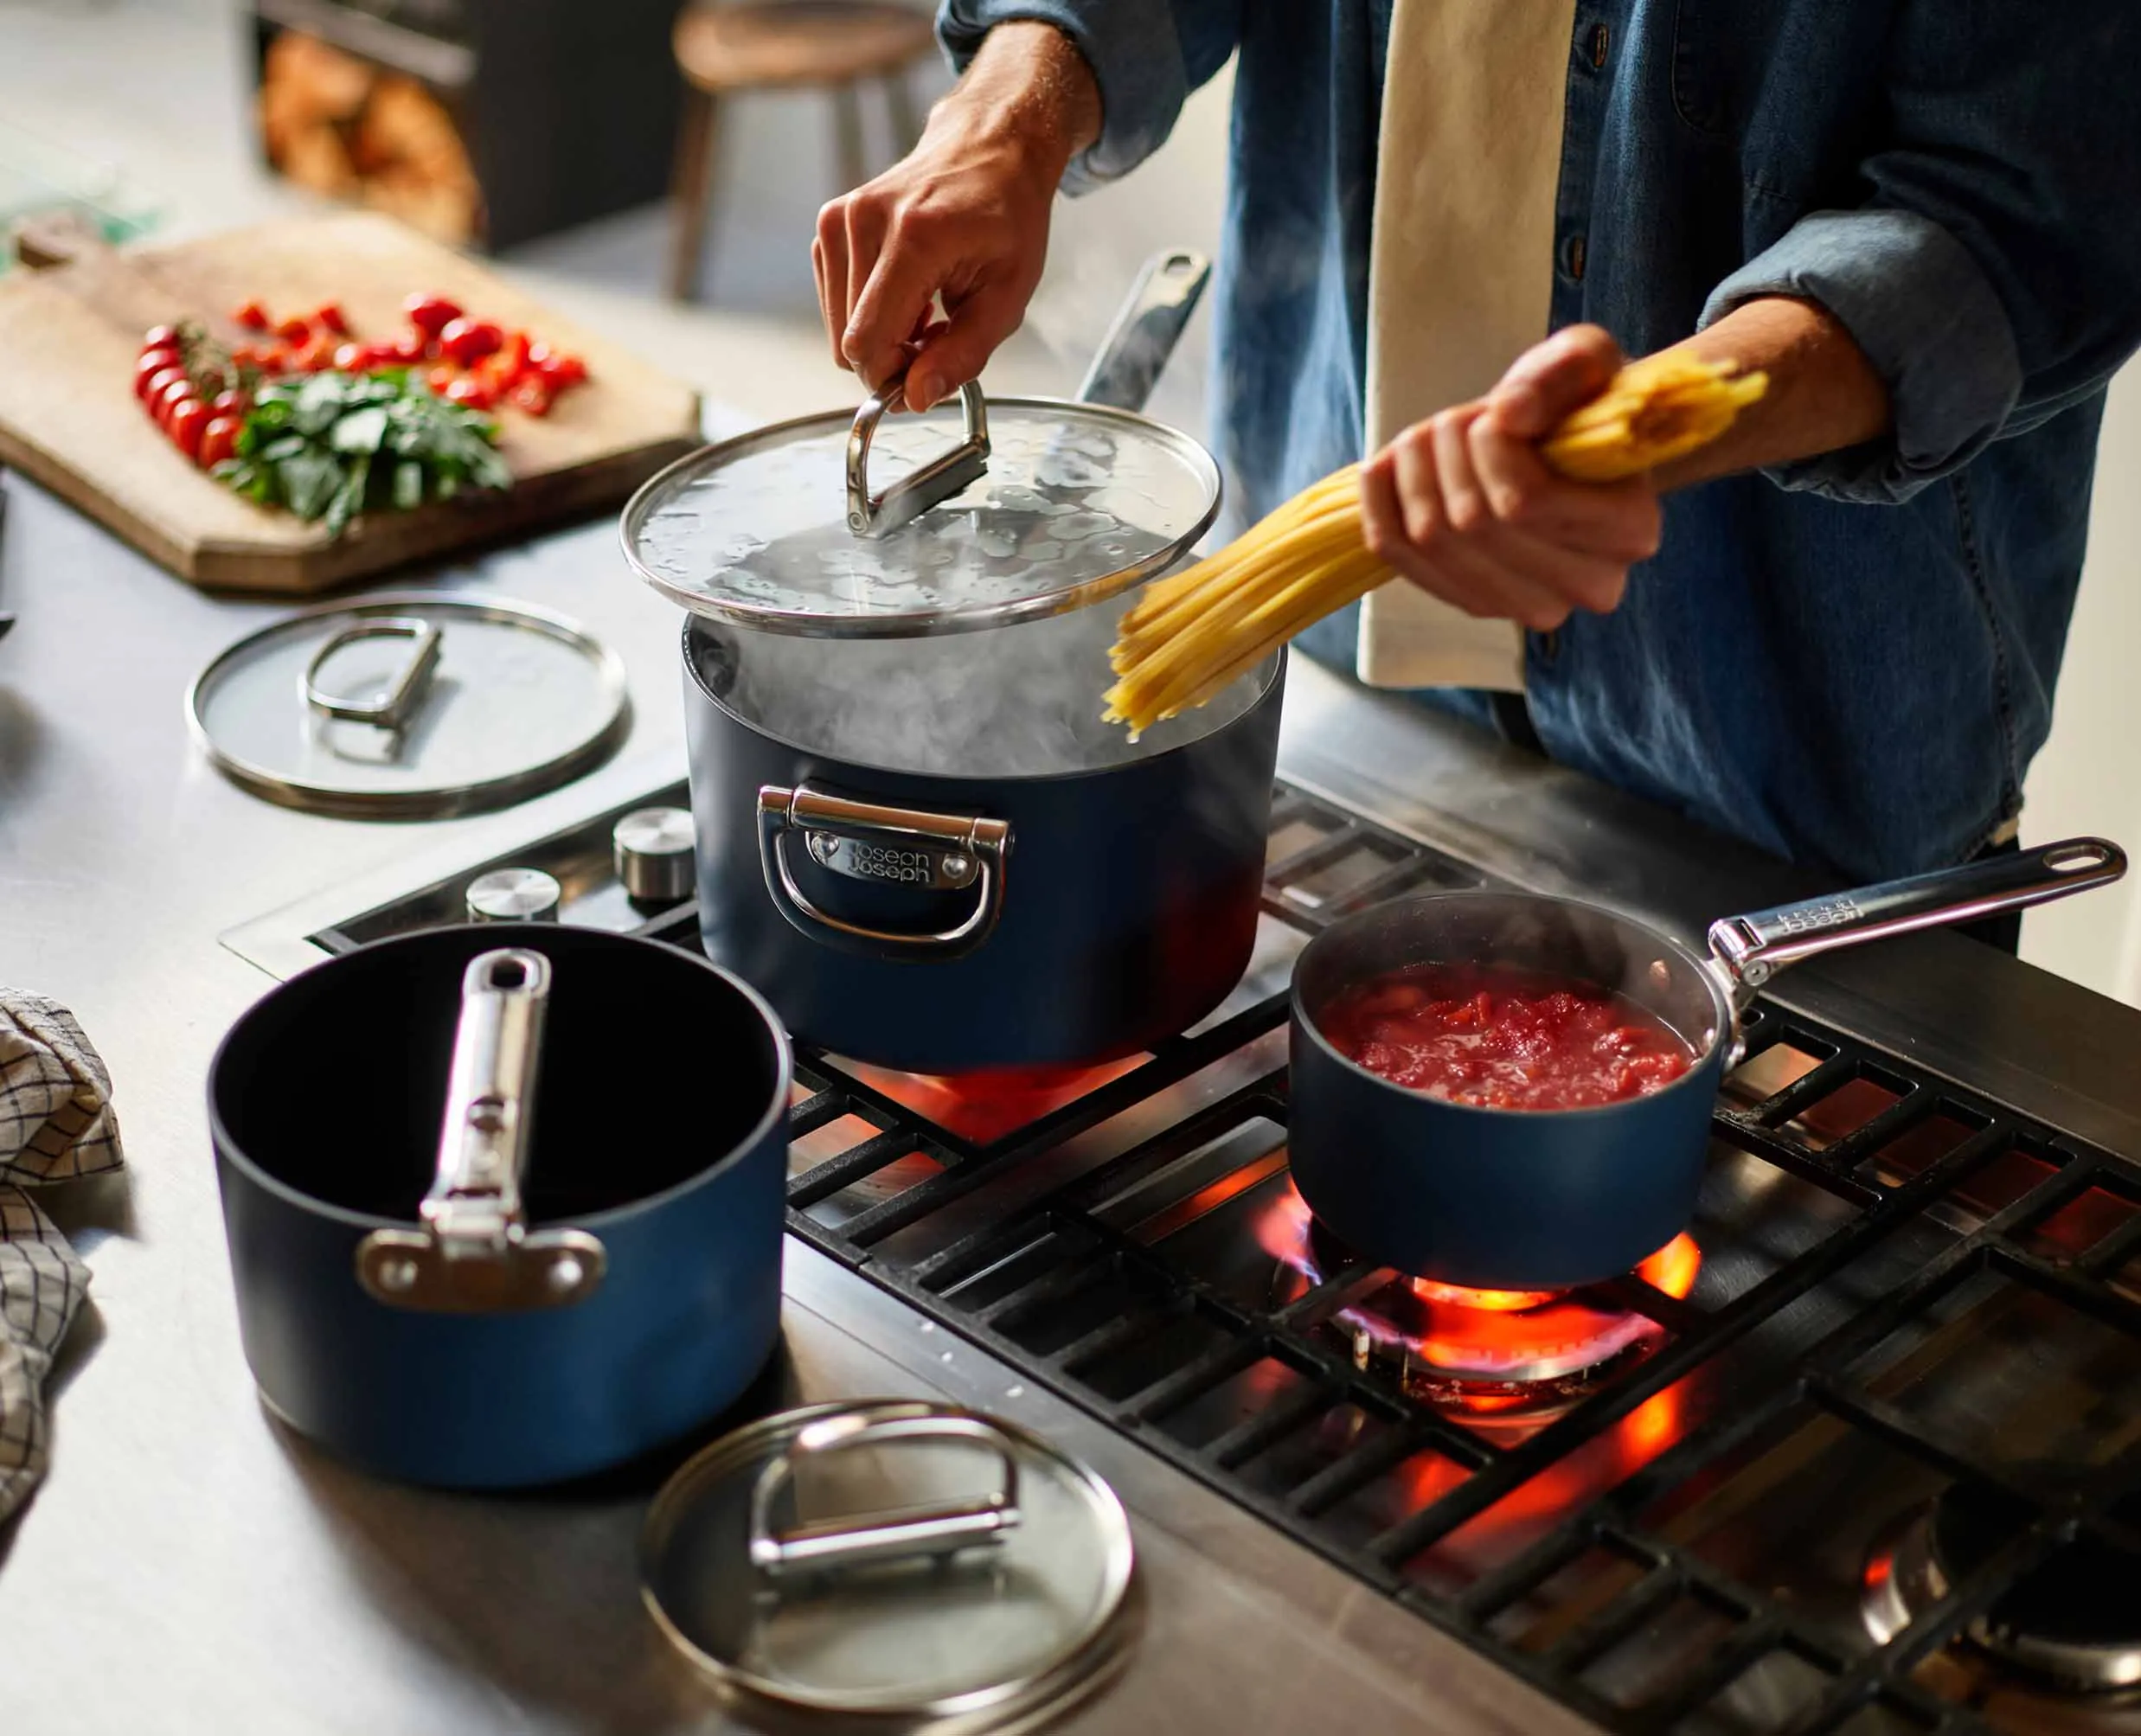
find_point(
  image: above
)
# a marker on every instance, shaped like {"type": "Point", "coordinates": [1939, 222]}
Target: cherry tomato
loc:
{"type": "Point", "coordinates": [217, 440]}
{"type": "Point", "coordinates": [332, 319]}
{"type": "Point", "coordinates": [532, 396]}
{"type": "Point", "coordinates": [472, 392]}
{"type": "Point", "coordinates": [314, 357]}
{"type": "Point", "coordinates": [232, 403]}
{"type": "Point", "coordinates": [159, 337]}
{"type": "Point", "coordinates": [160, 384]}
{"type": "Point", "coordinates": [466, 341]}
{"type": "Point", "coordinates": [252, 317]}
{"type": "Point", "coordinates": [153, 363]}
{"type": "Point", "coordinates": [406, 350]}
{"type": "Point", "coordinates": [274, 359]}
{"type": "Point", "coordinates": [430, 314]}
{"type": "Point", "coordinates": [187, 420]}
{"type": "Point", "coordinates": [167, 407]}
{"type": "Point", "coordinates": [353, 358]}
{"type": "Point", "coordinates": [513, 354]}
{"type": "Point", "coordinates": [439, 378]}
{"type": "Point", "coordinates": [293, 329]}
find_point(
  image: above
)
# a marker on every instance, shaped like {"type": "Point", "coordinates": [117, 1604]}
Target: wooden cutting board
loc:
{"type": "Point", "coordinates": [70, 332]}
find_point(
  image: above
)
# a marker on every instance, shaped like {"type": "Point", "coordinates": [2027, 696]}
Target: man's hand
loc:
{"type": "Point", "coordinates": [1463, 505]}
{"type": "Point", "coordinates": [964, 219]}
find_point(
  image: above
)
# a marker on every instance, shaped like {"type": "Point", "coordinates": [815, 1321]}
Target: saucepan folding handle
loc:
{"type": "Point", "coordinates": [1752, 948]}
{"type": "Point", "coordinates": [931, 1529]}
{"type": "Point", "coordinates": [870, 842]}
{"type": "Point", "coordinates": [474, 1253]}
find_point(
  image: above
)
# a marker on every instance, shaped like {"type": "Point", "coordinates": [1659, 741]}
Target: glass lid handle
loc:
{"type": "Point", "coordinates": [939, 480]}
{"type": "Point", "coordinates": [936, 1528]}
{"type": "Point", "coordinates": [403, 697]}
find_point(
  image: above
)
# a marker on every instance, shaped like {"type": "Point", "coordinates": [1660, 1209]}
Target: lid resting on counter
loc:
{"type": "Point", "coordinates": [964, 517]}
{"type": "Point", "coordinates": [412, 704]}
{"type": "Point", "coordinates": [909, 1561]}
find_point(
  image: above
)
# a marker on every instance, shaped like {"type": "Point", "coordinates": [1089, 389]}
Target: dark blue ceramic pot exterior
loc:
{"type": "Point", "coordinates": [324, 1102]}
{"type": "Point", "coordinates": [1501, 1199]}
{"type": "Point", "coordinates": [1130, 898]}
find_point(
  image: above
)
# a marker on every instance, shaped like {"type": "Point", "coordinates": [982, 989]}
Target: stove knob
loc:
{"type": "Point", "coordinates": [514, 895]}
{"type": "Point", "coordinates": [652, 847]}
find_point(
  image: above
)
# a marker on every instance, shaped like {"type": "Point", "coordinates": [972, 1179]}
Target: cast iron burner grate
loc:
{"type": "Point", "coordinates": [1906, 1294]}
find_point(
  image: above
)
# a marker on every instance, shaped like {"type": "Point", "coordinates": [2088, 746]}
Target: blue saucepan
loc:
{"type": "Point", "coordinates": [1502, 1199]}
{"type": "Point", "coordinates": [504, 1202]}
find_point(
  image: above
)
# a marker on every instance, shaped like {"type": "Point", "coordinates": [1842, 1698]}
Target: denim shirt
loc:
{"type": "Point", "coordinates": [1847, 661]}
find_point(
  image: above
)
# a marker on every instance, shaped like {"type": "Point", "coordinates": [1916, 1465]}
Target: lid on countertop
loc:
{"type": "Point", "coordinates": [891, 1558]}
{"type": "Point", "coordinates": [412, 704]}
{"type": "Point", "coordinates": [970, 515]}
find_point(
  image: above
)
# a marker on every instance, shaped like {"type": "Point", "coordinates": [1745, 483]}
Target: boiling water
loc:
{"type": "Point", "coordinates": [1016, 701]}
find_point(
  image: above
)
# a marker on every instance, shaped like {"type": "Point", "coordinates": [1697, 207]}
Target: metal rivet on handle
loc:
{"type": "Point", "coordinates": [397, 1274]}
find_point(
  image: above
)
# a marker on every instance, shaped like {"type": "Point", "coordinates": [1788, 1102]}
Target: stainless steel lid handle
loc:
{"type": "Point", "coordinates": [939, 480]}
{"type": "Point", "coordinates": [404, 696]}
{"type": "Point", "coordinates": [1751, 949]}
{"type": "Point", "coordinates": [930, 1529]}
{"type": "Point", "coordinates": [475, 1253]}
{"type": "Point", "coordinates": [865, 841]}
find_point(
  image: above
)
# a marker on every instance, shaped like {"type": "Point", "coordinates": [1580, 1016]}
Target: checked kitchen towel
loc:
{"type": "Point", "coordinates": [56, 1124]}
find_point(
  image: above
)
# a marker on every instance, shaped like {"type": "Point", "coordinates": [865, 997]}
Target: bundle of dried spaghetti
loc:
{"type": "Point", "coordinates": [1188, 635]}
{"type": "Point", "coordinates": [1655, 411]}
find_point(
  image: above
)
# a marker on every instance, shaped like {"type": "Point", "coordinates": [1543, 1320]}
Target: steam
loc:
{"type": "Point", "coordinates": [1016, 701]}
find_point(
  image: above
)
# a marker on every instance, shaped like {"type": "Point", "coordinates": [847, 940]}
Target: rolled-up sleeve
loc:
{"type": "Point", "coordinates": [1993, 276]}
{"type": "Point", "coordinates": [1146, 55]}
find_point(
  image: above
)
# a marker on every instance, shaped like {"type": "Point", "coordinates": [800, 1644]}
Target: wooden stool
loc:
{"type": "Point", "coordinates": [813, 44]}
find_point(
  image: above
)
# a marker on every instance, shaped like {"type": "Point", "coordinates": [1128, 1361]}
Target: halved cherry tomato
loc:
{"type": "Point", "coordinates": [466, 341]}
{"type": "Point", "coordinates": [332, 319]}
{"type": "Point", "coordinates": [160, 338]}
{"type": "Point", "coordinates": [252, 317]}
{"type": "Point", "coordinates": [231, 403]}
{"type": "Point", "coordinates": [531, 396]}
{"type": "Point", "coordinates": [217, 440]}
{"type": "Point", "coordinates": [293, 329]}
{"type": "Point", "coordinates": [439, 378]}
{"type": "Point", "coordinates": [559, 371]}
{"type": "Point", "coordinates": [513, 354]}
{"type": "Point", "coordinates": [353, 358]}
{"type": "Point", "coordinates": [187, 420]}
{"type": "Point", "coordinates": [430, 314]}
{"type": "Point", "coordinates": [472, 392]}
{"type": "Point", "coordinates": [152, 364]}
{"type": "Point", "coordinates": [274, 359]}
{"type": "Point", "coordinates": [407, 350]}
{"type": "Point", "coordinates": [316, 357]}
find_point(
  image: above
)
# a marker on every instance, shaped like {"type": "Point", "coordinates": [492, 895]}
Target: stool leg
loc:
{"type": "Point", "coordinates": [907, 131]}
{"type": "Point", "coordinates": [848, 137]}
{"type": "Point", "coordinates": [691, 191]}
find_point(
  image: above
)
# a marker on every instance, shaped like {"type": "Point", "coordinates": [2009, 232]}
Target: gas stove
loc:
{"type": "Point", "coordinates": [1855, 1453]}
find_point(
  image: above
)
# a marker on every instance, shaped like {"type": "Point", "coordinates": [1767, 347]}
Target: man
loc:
{"type": "Point", "coordinates": [1835, 632]}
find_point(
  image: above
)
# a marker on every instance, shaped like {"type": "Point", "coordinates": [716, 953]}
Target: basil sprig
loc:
{"type": "Point", "coordinates": [335, 444]}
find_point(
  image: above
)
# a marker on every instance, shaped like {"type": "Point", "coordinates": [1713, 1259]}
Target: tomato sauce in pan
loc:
{"type": "Point", "coordinates": [1496, 1038]}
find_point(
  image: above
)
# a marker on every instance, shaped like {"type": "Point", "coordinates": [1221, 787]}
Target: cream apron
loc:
{"type": "Point", "coordinates": [1460, 271]}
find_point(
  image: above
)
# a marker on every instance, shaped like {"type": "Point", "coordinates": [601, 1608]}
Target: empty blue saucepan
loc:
{"type": "Point", "coordinates": [504, 1202]}
{"type": "Point", "coordinates": [1506, 1199]}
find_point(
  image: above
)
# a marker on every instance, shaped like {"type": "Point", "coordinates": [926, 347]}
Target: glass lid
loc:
{"type": "Point", "coordinates": [411, 705]}
{"type": "Point", "coordinates": [891, 1558]}
{"type": "Point", "coordinates": [970, 515]}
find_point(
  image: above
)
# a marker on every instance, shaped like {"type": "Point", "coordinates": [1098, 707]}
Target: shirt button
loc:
{"type": "Point", "coordinates": [1601, 40]}
{"type": "Point", "coordinates": [1573, 257]}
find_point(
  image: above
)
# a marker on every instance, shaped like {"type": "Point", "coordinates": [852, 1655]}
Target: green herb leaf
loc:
{"type": "Point", "coordinates": [360, 431]}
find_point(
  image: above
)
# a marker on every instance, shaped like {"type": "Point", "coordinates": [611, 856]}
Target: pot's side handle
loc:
{"type": "Point", "coordinates": [867, 840]}
{"type": "Point", "coordinates": [1752, 948]}
{"type": "Point", "coordinates": [1146, 330]}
